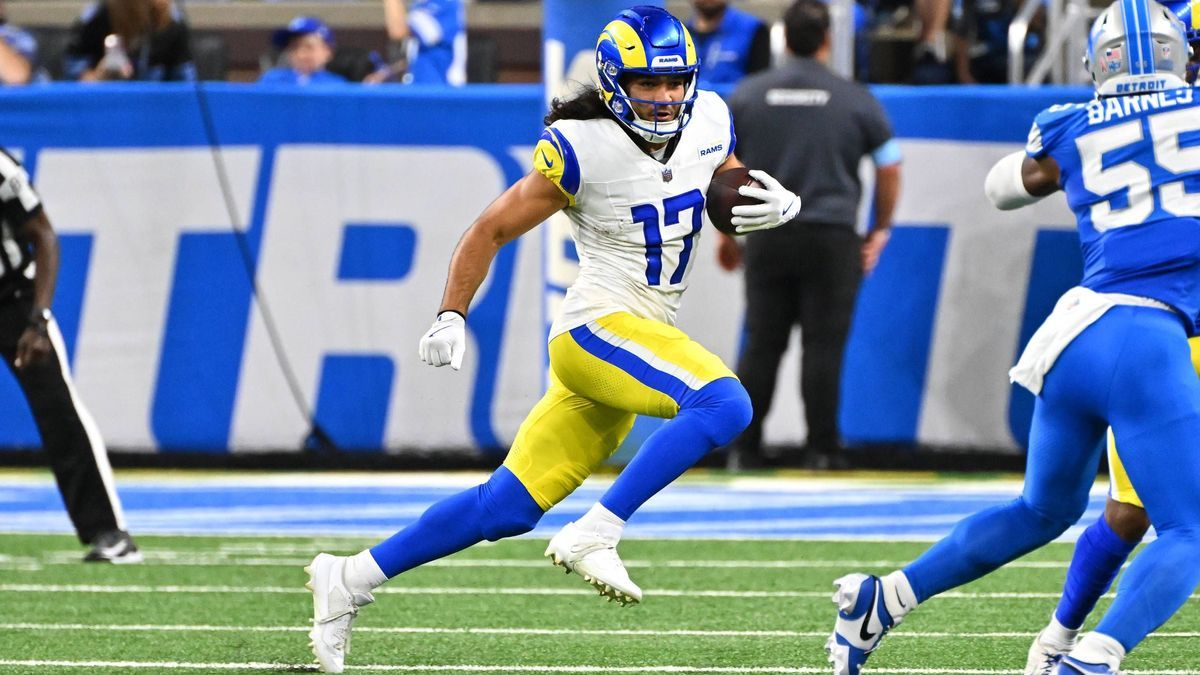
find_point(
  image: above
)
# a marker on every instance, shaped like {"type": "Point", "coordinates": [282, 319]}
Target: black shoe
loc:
{"type": "Point", "coordinates": [114, 546]}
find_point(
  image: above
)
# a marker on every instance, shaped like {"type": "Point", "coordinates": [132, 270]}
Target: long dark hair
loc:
{"type": "Point", "coordinates": [134, 20]}
{"type": "Point", "coordinates": [586, 104]}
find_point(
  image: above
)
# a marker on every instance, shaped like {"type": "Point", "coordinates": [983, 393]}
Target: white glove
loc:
{"type": "Point", "coordinates": [445, 342]}
{"type": "Point", "coordinates": [778, 206]}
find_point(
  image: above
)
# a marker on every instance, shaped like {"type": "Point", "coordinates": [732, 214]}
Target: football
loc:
{"type": "Point", "coordinates": [723, 195]}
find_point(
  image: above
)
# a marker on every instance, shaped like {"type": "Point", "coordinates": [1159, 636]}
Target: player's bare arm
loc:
{"type": "Point", "coordinates": [521, 208]}
{"type": "Point", "coordinates": [34, 343]}
{"type": "Point", "coordinates": [530, 201]}
{"type": "Point", "coordinates": [1040, 176]}
{"type": "Point", "coordinates": [1018, 180]}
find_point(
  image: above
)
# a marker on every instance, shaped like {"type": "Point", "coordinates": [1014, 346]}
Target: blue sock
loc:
{"type": "Point", "coordinates": [1098, 557]}
{"type": "Point", "coordinates": [499, 508]}
{"type": "Point", "coordinates": [709, 418]}
{"type": "Point", "coordinates": [981, 543]}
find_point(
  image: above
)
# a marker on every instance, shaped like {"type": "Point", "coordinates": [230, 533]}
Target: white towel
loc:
{"type": "Point", "coordinates": [1077, 309]}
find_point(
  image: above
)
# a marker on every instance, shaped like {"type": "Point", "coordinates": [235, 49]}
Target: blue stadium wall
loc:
{"type": "Point", "coordinates": [237, 258]}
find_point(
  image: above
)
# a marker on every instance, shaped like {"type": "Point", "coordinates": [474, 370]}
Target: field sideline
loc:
{"type": "Point", "coordinates": [731, 601]}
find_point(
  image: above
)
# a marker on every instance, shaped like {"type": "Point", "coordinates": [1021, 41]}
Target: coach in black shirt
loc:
{"type": "Point", "coordinates": [811, 129]}
{"type": "Point", "coordinates": [32, 345]}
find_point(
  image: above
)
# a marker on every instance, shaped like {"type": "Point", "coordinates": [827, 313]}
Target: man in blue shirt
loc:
{"type": "Point", "coordinates": [730, 43]}
{"type": "Point", "coordinates": [1113, 353]}
{"type": "Point", "coordinates": [307, 44]}
{"type": "Point", "coordinates": [433, 33]}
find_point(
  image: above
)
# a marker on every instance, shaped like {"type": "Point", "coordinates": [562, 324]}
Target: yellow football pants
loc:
{"type": "Point", "coordinates": [602, 375]}
{"type": "Point", "coordinates": [1119, 486]}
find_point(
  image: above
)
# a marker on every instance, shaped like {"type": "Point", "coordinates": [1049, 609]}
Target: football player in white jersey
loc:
{"type": "Point", "coordinates": [629, 163]}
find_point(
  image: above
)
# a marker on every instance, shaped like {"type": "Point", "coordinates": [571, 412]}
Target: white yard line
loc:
{"type": "Point", "coordinates": [184, 558]}
{"type": "Point", "coordinates": [289, 590]}
{"type": "Point", "coordinates": [481, 668]}
{"type": "Point", "coordinates": [422, 630]}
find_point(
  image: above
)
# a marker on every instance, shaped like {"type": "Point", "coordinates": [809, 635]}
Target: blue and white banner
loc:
{"type": "Point", "coordinates": [343, 206]}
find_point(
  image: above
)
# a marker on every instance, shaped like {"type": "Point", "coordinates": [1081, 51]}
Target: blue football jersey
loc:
{"type": "Point", "coordinates": [441, 46]}
{"type": "Point", "coordinates": [1130, 167]}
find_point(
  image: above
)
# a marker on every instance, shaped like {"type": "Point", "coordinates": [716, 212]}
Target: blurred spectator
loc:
{"type": "Point", "coordinates": [811, 129]}
{"type": "Point", "coordinates": [428, 41]}
{"type": "Point", "coordinates": [980, 29]}
{"type": "Point", "coordinates": [730, 43]}
{"type": "Point", "coordinates": [18, 53]}
{"type": "Point", "coordinates": [130, 40]}
{"type": "Point", "coordinates": [307, 45]}
{"type": "Point", "coordinates": [931, 64]}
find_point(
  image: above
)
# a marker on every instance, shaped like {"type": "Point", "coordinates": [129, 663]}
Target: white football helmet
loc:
{"type": "Point", "coordinates": [1136, 47]}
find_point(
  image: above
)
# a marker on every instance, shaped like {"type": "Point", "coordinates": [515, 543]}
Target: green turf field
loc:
{"type": "Point", "coordinates": [202, 604]}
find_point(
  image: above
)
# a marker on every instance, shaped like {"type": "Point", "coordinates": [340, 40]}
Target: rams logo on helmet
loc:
{"type": "Point", "coordinates": [646, 41]}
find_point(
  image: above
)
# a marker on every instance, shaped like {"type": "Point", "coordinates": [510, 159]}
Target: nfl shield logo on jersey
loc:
{"type": "Point", "coordinates": [667, 175]}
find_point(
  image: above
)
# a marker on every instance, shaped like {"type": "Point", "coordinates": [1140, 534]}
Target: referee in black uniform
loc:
{"type": "Point", "coordinates": [811, 129]}
{"type": "Point", "coordinates": [33, 348]}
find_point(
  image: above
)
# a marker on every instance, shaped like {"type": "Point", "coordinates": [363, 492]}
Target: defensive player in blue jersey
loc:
{"type": "Point", "coordinates": [1113, 352]}
{"type": "Point", "coordinates": [629, 164]}
{"type": "Point", "coordinates": [1105, 545]}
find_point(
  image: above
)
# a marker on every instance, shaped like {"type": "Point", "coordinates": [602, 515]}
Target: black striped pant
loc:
{"type": "Point", "coordinates": [69, 435]}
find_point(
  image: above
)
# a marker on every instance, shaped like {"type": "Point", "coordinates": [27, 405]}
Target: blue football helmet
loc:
{"type": "Point", "coordinates": [1135, 47]}
{"type": "Point", "coordinates": [646, 41]}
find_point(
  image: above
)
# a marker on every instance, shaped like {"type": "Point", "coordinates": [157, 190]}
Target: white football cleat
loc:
{"type": "Point", "coordinates": [595, 559]}
{"type": "Point", "coordinates": [1043, 657]}
{"type": "Point", "coordinates": [862, 621]}
{"type": "Point", "coordinates": [334, 609]}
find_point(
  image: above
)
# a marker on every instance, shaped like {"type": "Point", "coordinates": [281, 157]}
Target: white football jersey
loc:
{"type": "Point", "coordinates": [636, 221]}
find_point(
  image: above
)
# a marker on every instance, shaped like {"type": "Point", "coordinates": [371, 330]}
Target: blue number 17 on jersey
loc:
{"type": "Point", "coordinates": [648, 216]}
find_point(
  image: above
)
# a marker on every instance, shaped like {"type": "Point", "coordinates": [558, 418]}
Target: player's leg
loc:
{"type": "Point", "coordinates": [833, 273]}
{"type": "Point", "coordinates": [559, 444]}
{"type": "Point", "coordinates": [772, 309]}
{"type": "Point", "coordinates": [72, 442]}
{"type": "Point", "coordinates": [665, 374]}
{"type": "Point", "coordinates": [1099, 553]}
{"type": "Point", "coordinates": [1157, 422]}
{"type": "Point", "coordinates": [1061, 466]}
{"type": "Point", "coordinates": [649, 368]}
